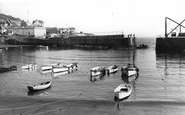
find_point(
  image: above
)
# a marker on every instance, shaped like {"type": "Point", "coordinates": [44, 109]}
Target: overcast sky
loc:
{"type": "Point", "coordinates": [140, 17]}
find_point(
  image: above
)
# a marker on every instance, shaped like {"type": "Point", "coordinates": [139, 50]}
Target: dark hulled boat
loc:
{"type": "Point", "coordinates": [6, 69]}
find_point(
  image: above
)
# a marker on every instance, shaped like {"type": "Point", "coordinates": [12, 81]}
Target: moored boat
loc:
{"type": "Point", "coordinates": [129, 70]}
{"type": "Point", "coordinates": [123, 91]}
{"type": "Point", "coordinates": [6, 69]}
{"type": "Point", "coordinates": [40, 86]}
{"type": "Point", "coordinates": [71, 66]}
{"type": "Point", "coordinates": [99, 70]}
{"type": "Point", "coordinates": [38, 92]}
{"type": "Point", "coordinates": [30, 66]}
{"type": "Point", "coordinates": [49, 66]}
{"type": "Point", "coordinates": [142, 46]}
{"type": "Point", "coordinates": [59, 69]}
{"type": "Point", "coordinates": [112, 69]}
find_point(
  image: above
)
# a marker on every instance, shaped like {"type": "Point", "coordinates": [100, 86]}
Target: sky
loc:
{"type": "Point", "coordinates": [144, 18]}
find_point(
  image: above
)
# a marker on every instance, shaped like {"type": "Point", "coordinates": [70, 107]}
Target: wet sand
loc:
{"type": "Point", "coordinates": [16, 105]}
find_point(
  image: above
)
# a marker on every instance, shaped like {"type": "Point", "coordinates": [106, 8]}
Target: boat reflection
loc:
{"type": "Point", "coordinates": [40, 92]}
{"type": "Point", "coordinates": [60, 73]}
{"type": "Point", "coordinates": [129, 79]}
{"type": "Point", "coordinates": [170, 65]}
{"type": "Point", "coordinates": [46, 71]}
{"type": "Point", "coordinates": [97, 78]}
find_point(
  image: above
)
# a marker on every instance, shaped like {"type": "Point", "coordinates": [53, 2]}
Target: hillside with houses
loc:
{"type": "Point", "coordinates": [4, 17]}
{"type": "Point", "coordinates": [10, 25]}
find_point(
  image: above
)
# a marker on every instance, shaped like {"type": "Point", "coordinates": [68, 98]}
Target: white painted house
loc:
{"type": "Point", "coordinates": [28, 31]}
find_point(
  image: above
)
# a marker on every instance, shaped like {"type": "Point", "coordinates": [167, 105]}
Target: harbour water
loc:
{"type": "Point", "coordinates": [160, 85]}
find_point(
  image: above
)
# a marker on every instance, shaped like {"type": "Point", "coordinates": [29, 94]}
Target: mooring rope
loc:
{"type": "Point", "coordinates": [59, 108]}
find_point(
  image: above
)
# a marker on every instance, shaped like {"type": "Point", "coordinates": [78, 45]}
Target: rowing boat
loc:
{"type": "Point", "coordinates": [49, 66]}
{"type": "Point", "coordinates": [72, 66]}
{"type": "Point", "coordinates": [129, 70]}
{"type": "Point", "coordinates": [6, 69]}
{"type": "Point", "coordinates": [112, 69]}
{"type": "Point", "coordinates": [30, 66]}
{"type": "Point", "coordinates": [60, 69]}
{"type": "Point", "coordinates": [96, 71]}
{"type": "Point", "coordinates": [40, 86]}
{"type": "Point", "coordinates": [123, 91]}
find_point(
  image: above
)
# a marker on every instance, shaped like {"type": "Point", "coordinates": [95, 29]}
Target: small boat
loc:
{"type": "Point", "coordinates": [60, 69]}
{"type": "Point", "coordinates": [40, 86]}
{"type": "Point", "coordinates": [96, 71]}
{"type": "Point", "coordinates": [6, 69]}
{"type": "Point", "coordinates": [129, 70]}
{"type": "Point", "coordinates": [38, 92]}
{"type": "Point", "coordinates": [123, 91]}
{"type": "Point", "coordinates": [72, 66]}
{"type": "Point", "coordinates": [49, 66]}
{"type": "Point", "coordinates": [112, 69]}
{"type": "Point", "coordinates": [30, 66]}
{"type": "Point", "coordinates": [142, 46]}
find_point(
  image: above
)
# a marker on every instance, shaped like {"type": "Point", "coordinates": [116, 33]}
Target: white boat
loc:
{"type": "Point", "coordinates": [46, 68]}
{"type": "Point", "coordinates": [96, 71]}
{"type": "Point", "coordinates": [112, 69]}
{"type": "Point", "coordinates": [38, 92]}
{"type": "Point", "coordinates": [123, 91]}
{"type": "Point", "coordinates": [72, 66]}
{"type": "Point", "coordinates": [40, 86]}
{"type": "Point", "coordinates": [129, 70]}
{"type": "Point", "coordinates": [30, 66]}
{"type": "Point", "coordinates": [49, 66]}
{"type": "Point", "coordinates": [60, 69]}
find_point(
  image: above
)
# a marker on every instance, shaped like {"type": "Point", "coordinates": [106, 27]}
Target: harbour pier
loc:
{"type": "Point", "coordinates": [171, 42]}
{"type": "Point", "coordinates": [96, 41]}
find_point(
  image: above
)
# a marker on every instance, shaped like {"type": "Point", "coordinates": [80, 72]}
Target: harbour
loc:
{"type": "Point", "coordinates": [155, 85]}
{"type": "Point", "coordinates": [18, 32]}
{"type": "Point", "coordinates": [92, 57]}
{"type": "Point", "coordinates": [93, 42]}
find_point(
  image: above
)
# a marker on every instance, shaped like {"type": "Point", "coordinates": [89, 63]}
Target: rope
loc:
{"type": "Point", "coordinates": [6, 109]}
{"type": "Point", "coordinates": [47, 111]}
{"type": "Point", "coordinates": [59, 108]}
